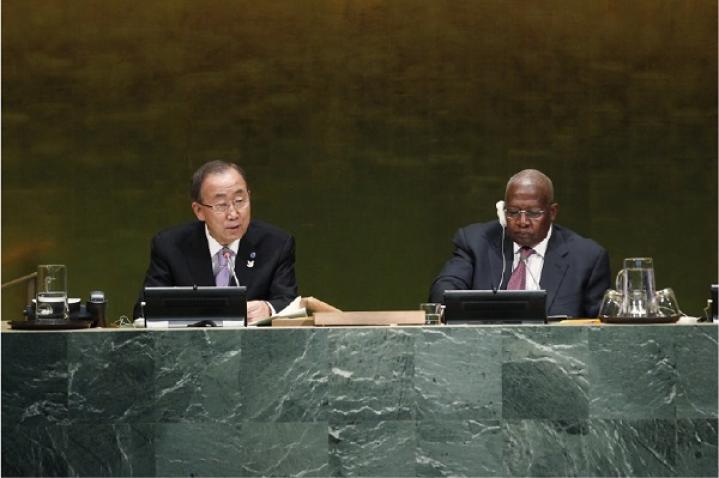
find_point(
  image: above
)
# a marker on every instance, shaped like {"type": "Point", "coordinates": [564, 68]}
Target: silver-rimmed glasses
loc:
{"type": "Point", "coordinates": [239, 203]}
{"type": "Point", "coordinates": [514, 213]}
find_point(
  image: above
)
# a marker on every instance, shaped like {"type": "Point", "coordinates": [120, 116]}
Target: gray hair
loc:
{"type": "Point", "coordinates": [212, 167]}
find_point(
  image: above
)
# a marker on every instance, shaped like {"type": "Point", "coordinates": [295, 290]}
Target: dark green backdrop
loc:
{"type": "Point", "coordinates": [371, 130]}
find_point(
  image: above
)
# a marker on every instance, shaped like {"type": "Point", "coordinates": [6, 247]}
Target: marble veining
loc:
{"type": "Point", "coordinates": [633, 376]}
{"type": "Point", "coordinates": [354, 401]}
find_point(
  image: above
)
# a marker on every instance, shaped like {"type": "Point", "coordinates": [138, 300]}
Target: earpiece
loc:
{"type": "Point", "coordinates": [500, 213]}
{"type": "Point", "coordinates": [503, 221]}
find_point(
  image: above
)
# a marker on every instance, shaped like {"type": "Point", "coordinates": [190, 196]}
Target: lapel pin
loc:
{"type": "Point", "coordinates": [250, 264]}
{"type": "Point", "coordinates": [252, 255]}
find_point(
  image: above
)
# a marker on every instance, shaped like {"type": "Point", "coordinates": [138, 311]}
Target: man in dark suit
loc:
{"type": "Point", "coordinates": [538, 254]}
{"type": "Point", "coordinates": [202, 252]}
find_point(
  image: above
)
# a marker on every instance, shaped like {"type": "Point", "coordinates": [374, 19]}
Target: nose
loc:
{"type": "Point", "coordinates": [233, 211]}
{"type": "Point", "coordinates": [523, 219]}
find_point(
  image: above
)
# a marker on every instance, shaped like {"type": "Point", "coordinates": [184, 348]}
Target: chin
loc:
{"type": "Point", "coordinates": [525, 241]}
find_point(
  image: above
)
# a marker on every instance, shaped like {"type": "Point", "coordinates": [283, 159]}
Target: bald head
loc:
{"type": "Point", "coordinates": [529, 192]}
{"type": "Point", "coordinates": [532, 179]}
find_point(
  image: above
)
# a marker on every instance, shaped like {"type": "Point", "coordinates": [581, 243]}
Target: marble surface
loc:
{"type": "Point", "coordinates": [372, 401]}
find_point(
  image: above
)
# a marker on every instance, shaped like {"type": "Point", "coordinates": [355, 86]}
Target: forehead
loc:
{"type": "Point", "coordinates": [226, 183]}
{"type": "Point", "coordinates": [526, 194]}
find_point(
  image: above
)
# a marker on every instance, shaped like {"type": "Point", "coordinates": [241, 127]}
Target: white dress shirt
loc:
{"type": "Point", "coordinates": [216, 247]}
{"type": "Point", "coordinates": [535, 262]}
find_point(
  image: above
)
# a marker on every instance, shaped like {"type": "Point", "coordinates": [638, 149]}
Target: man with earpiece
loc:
{"type": "Point", "coordinates": [524, 249]}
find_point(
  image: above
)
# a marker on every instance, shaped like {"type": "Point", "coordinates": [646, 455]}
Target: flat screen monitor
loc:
{"type": "Point", "coordinates": [195, 306]}
{"type": "Point", "coordinates": [498, 307]}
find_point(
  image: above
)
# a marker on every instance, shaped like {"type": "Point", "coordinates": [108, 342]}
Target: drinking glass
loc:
{"type": "Point", "coordinates": [51, 292]}
{"type": "Point", "coordinates": [432, 313]}
{"type": "Point", "coordinates": [667, 303]}
{"type": "Point", "coordinates": [611, 304]}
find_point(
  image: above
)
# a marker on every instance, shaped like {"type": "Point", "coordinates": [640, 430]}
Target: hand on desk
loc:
{"type": "Point", "coordinates": [256, 310]}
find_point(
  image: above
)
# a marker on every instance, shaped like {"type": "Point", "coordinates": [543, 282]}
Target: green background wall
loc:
{"type": "Point", "coordinates": [371, 130]}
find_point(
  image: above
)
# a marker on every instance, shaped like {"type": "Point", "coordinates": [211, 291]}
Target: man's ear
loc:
{"type": "Point", "coordinates": [553, 211]}
{"type": "Point", "coordinates": [198, 210]}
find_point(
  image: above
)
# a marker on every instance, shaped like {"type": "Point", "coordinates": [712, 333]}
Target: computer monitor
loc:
{"type": "Point", "coordinates": [195, 306]}
{"type": "Point", "coordinates": [498, 307]}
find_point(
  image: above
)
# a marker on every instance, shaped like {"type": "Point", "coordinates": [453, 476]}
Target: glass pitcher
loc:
{"type": "Point", "coordinates": [636, 283]}
{"type": "Point", "coordinates": [51, 295]}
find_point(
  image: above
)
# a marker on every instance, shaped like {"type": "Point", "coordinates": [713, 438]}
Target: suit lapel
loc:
{"type": "Point", "coordinates": [246, 255]}
{"type": "Point", "coordinates": [197, 252]}
{"type": "Point", "coordinates": [555, 266]}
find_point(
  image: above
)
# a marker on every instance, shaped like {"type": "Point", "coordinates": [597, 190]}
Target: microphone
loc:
{"type": "Point", "coordinates": [526, 267]}
{"type": "Point", "coordinates": [231, 266]}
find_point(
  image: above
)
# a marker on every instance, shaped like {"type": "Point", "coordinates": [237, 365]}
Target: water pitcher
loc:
{"type": "Point", "coordinates": [636, 283]}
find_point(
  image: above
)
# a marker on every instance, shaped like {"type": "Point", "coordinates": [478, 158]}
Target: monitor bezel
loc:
{"type": "Point", "coordinates": [530, 306]}
{"type": "Point", "coordinates": [201, 305]}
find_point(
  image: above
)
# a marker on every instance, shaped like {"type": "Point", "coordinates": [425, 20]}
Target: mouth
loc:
{"type": "Point", "coordinates": [523, 236]}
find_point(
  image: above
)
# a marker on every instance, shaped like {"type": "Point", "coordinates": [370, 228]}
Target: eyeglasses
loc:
{"type": "Point", "coordinates": [238, 203]}
{"type": "Point", "coordinates": [513, 213]}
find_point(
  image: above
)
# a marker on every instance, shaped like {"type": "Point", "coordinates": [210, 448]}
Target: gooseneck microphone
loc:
{"type": "Point", "coordinates": [231, 266]}
{"type": "Point", "coordinates": [529, 271]}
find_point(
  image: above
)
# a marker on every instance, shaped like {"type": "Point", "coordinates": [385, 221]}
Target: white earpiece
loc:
{"type": "Point", "coordinates": [503, 221]}
{"type": "Point", "coordinates": [500, 213]}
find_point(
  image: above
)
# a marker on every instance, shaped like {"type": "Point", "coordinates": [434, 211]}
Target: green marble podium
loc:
{"type": "Point", "coordinates": [371, 401]}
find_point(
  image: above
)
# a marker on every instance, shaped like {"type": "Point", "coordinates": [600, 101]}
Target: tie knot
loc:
{"type": "Point", "coordinates": [525, 252]}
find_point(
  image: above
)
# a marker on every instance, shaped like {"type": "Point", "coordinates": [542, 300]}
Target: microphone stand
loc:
{"type": "Point", "coordinates": [526, 266]}
{"type": "Point", "coordinates": [231, 266]}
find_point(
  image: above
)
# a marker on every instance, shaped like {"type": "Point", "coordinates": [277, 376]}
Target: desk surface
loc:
{"type": "Point", "coordinates": [5, 326]}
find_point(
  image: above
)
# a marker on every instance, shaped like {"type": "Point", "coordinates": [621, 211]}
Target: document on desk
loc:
{"type": "Point", "coordinates": [293, 310]}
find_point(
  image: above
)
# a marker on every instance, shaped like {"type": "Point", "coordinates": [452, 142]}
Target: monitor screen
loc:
{"type": "Point", "coordinates": [195, 306]}
{"type": "Point", "coordinates": [501, 306]}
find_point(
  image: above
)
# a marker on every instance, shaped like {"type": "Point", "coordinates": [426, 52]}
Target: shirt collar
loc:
{"type": "Point", "coordinates": [216, 247]}
{"type": "Point", "coordinates": [541, 248]}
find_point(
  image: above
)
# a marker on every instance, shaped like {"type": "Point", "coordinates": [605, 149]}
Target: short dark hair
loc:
{"type": "Point", "coordinates": [212, 167]}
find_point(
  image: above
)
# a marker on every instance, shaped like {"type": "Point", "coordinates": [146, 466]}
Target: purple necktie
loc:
{"type": "Point", "coordinates": [222, 279]}
{"type": "Point", "coordinates": [518, 281]}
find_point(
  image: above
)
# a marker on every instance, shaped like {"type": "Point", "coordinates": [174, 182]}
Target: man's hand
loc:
{"type": "Point", "coordinates": [256, 310]}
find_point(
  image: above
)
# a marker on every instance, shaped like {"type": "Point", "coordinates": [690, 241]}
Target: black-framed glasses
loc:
{"type": "Point", "coordinates": [238, 203]}
{"type": "Point", "coordinates": [514, 213]}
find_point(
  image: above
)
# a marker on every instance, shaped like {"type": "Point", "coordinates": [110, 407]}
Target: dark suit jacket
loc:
{"type": "Point", "coordinates": [180, 256]}
{"type": "Point", "coordinates": [575, 274]}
